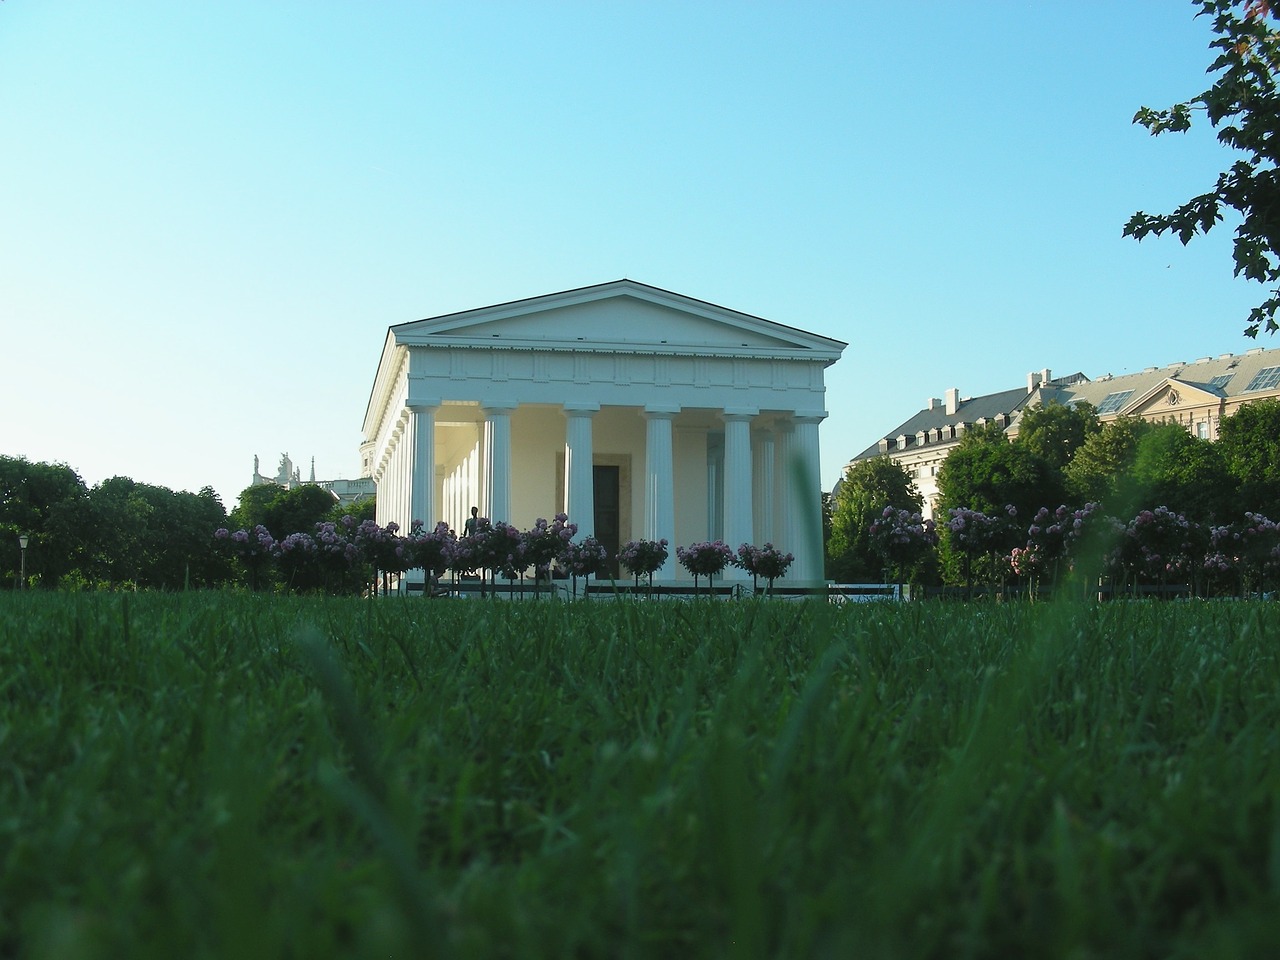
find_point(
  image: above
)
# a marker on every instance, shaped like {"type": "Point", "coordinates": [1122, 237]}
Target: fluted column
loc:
{"type": "Point", "coordinates": [422, 467]}
{"type": "Point", "coordinates": [737, 481]}
{"type": "Point", "coordinates": [497, 461]}
{"type": "Point", "coordinates": [579, 478]}
{"type": "Point", "coordinates": [762, 454]}
{"type": "Point", "coordinates": [806, 493]}
{"type": "Point", "coordinates": [659, 488]}
{"type": "Point", "coordinates": [783, 483]}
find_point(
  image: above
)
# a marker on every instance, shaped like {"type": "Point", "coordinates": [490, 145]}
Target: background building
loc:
{"type": "Point", "coordinates": [288, 477]}
{"type": "Point", "coordinates": [1197, 394]}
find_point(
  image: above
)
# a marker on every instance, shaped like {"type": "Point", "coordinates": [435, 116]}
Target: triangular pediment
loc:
{"type": "Point", "coordinates": [623, 316]}
{"type": "Point", "coordinates": [1168, 395]}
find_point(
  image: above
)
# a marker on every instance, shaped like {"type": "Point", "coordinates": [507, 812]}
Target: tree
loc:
{"type": "Point", "coordinates": [864, 491]}
{"type": "Point", "coordinates": [1054, 432]}
{"type": "Point", "coordinates": [986, 472]}
{"type": "Point", "coordinates": [1244, 105]}
{"type": "Point", "coordinates": [29, 495]}
{"type": "Point", "coordinates": [298, 510]}
{"type": "Point", "coordinates": [125, 532]}
{"type": "Point", "coordinates": [1249, 441]}
{"type": "Point", "coordinates": [1184, 473]}
{"type": "Point", "coordinates": [251, 506]}
{"type": "Point", "coordinates": [1100, 469]}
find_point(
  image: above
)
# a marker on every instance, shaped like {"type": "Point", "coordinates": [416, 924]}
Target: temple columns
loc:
{"type": "Point", "coordinates": [580, 499]}
{"type": "Point", "coordinates": [497, 461]}
{"type": "Point", "coordinates": [422, 466]}
{"type": "Point", "coordinates": [738, 504]}
{"type": "Point", "coordinates": [806, 494]}
{"type": "Point", "coordinates": [659, 491]}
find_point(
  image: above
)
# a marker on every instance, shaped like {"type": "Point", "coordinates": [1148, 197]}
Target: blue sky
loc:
{"type": "Point", "coordinates": [211, 213]}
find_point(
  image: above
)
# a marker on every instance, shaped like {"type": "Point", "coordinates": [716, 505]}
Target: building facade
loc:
{"type": "Point", "coordinates": [636, 411]}
{"type": "Point", "coordinates": [1197, 394]}
{"type": "Point", "coordinates": [288, 476]}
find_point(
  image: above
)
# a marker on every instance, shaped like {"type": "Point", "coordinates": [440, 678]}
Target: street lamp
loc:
{"type": "Point", "coordinates": [22, 542]}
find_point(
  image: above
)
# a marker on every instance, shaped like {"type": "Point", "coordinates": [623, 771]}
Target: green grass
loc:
{"type": "Point", "coordinates": [208, 775]}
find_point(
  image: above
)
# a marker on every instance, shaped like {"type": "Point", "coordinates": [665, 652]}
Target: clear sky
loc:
{"type": "Point", "coordinates": [210, 213]}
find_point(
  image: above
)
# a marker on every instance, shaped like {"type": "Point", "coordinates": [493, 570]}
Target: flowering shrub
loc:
{"type": "Point", "coordinates": [1053, 539]}
{"type": "Point", "coordinates": [296, 557]}
{"type": "Point", "coordinates": [545, 543]}
{"type": "Point", "coordinates": [336, 544]}
{"type": "Point", "coordinates": [251, 549]}
{"type": "Point", "coordinates": [767, 561]}
{"type": "Point", "coordinates": [902, 538]}
{"type": "Point", "coordinates": [585, 558]}
{"type": "Point", "coordinates": [705, 558]}
{"type": "Point", "coordinates": [1247, 552]}
{"type": "Point", "coordinates": [1158, 544]}
{"type": "Point", "coordinates": [974, 532]}
{"type": "Point", "coordinates": [429, 551]}
{"type": "Point", "coordinates": [983, 539]}
{"type": "Point", "coordinates": [504, 550]}
{"type": "Point", "coordinates": [469, 552]}
{"type": "Point", "coordinates": [643, 557]}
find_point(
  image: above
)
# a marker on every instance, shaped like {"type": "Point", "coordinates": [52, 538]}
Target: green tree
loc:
{"type": "Point", "coordinates": [251, 506]}
{"type": "Point", "coordinates": [125, 532]}
{"type": "Point", "coordinates": [29, 495]}
{"type": "Point", "coordinates": [864, 491]}
{"type": "Point", "coordinates": [1184, 473]}
{"type": "Point", "coordinates": [1100, 470]}
{"type": "Point", "coordinates": [1244, 106]}
{"type": "Point", "coordinates": [1054, 432]}
{"type": "Point", "coordinates": [363, 509]}
{"type": "Point", "coordinates": [298, 510]}
{"type": "Point", "coordinates": [1249, 440]}
{"type": "Point", "coordinates": [986, 472]}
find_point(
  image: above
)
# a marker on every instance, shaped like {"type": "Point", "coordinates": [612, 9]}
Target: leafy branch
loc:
{"type": "Point", "coordinates": [1244, 105]}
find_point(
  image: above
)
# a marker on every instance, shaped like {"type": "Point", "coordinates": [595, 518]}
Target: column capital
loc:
{"type": "Point", "coordinates": [498, 407]}
{"type": "Point", "coordinates": [423, 404]}
{"type": "Point", "coordinates": [809, 416]}
{"type": "Point", "coordinates": [661, 411]}
{"type": "Point", "coordinates": [739, 413]}
{"type": "Point", "coordinates": [581, 409]}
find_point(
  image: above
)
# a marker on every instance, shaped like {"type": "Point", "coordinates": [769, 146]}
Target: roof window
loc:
{"type": "Point", "coordinates": [1265, 379]}
{"type": "Point", "coordinates": [1114, 401]}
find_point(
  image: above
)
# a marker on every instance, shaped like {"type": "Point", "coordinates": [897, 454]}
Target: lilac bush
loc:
{"type": "Point", "coordinates": [252, 549]}
{"type": "Point", "coordinates": [643, 557]}
{"type": "Point", "coordinates": [585, 558]}
{"type": "Point", "coordinates": [902, 538]}
{"type": "Point", "coordinates": [547, 543]}
{"type": "Point", "coordinates": [705, 558]}
{"type": "Point", "coordinates": [296, 556]}
{"type": "Point", "coordinates": [977, 536]}
{"type": "Point", "coordinates": [429, 551]}
{"type": "Point", "coordinates": [767, 561]}
{"type": "Point", "coordinates": [1158, 545]}
{"type": "Point", "coordinates": [1053, 542]}
{"type": "Point", "coordinates": [1244, 554]}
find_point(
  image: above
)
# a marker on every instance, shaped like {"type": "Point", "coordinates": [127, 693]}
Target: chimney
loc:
{"type": "Point", "coordinates": [1046, 375]}
{"type": "Point", "coordinates": [953, 400]}
{"type": "Point", "coordinates": [933, 404]}
{"type": "Point", "coordinates": [1033, 381]}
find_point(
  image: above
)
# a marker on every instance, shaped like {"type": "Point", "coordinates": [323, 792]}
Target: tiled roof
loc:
{"type": "Point", "coordinates": [970, 410]}
{"type": "Point", "coordinates": [1208, 374]}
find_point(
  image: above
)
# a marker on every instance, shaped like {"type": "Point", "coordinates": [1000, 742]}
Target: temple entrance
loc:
{"type": "Point", "coordinates": [608, 511]}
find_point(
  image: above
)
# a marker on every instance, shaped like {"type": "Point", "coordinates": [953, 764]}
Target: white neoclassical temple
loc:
{"type": "Point", "coordinates": [636, 411]}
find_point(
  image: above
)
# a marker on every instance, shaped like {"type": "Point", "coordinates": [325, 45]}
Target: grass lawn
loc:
{"type": "Point", "coordinates": [226, 775]}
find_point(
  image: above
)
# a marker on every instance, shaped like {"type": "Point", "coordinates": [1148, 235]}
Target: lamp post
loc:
{"type": "Point", "coordinates": [22, 542]}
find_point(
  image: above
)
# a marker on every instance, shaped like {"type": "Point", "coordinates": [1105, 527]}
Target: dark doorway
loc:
{"type": "Point", "coordinates": [608, 513]}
